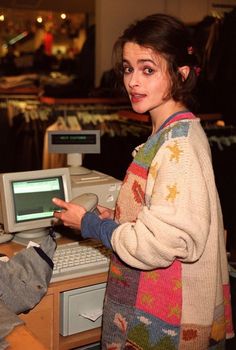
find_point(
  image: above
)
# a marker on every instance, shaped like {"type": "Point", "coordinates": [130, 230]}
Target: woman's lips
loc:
{"type": "Point", "coordinates": [135, 97]}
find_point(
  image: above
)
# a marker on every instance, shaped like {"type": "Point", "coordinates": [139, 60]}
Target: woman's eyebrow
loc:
{"type": "Point", "coordinates": [141, 60]}
{"type": "Point", "coordinates": [145, 60]}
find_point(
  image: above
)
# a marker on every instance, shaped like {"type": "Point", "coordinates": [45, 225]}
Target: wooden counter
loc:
{"type": "Point", "coordinates": [44, 320]}
{"type": "Point", "coordinates": [22, 338]}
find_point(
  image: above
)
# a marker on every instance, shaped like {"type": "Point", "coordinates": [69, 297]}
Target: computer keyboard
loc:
{"type": "Point", "coordinates": [72, 260]}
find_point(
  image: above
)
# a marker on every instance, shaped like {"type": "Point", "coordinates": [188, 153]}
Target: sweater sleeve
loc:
{"type": "Point", "coordinates": [174, 224]}
{"type": "Point", "coordinates": [94, 227]}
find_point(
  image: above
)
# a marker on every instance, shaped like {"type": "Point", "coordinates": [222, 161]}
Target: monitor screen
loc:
{"type": "Point", "coordinates": [33, 197]}
{"type": "Point", "coordinates": [26, 199]}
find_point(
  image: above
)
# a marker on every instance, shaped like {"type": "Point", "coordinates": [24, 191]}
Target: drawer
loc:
{"type": "Point", "coordinates": [79, 309]}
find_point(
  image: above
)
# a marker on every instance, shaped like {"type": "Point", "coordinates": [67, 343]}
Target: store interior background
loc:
{"type": "Point", "coordinates": [74, 63]}
{"type": "Point", "coordinates": [62, 50]}
{"type": "Point", "coordinates": [79, 45]}
{"type": "Point", "coordinates": [98, 21]}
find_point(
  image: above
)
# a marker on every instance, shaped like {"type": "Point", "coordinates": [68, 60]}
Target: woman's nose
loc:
{"type": "Point", "coordinates": [134, 81]}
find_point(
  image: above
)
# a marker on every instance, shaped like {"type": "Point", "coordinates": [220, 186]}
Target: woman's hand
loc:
{"type": "Point", "coordinates": [71, 214]}
{"type": "Point", "coordinates": [105, 213]}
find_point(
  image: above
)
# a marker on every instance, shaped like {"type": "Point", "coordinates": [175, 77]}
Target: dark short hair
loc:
{"type": "Point", "coordinates": [169, 37]}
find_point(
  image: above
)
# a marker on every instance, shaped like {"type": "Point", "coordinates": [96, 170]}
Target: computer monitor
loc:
{"type": "Point", "coordinates": [74, 143]}
{"type": "Point", "coordinates": [26, 201]}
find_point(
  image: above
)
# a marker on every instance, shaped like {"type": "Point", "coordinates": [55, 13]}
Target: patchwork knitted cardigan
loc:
{"type": "Point", "coordinates": [168, 285]}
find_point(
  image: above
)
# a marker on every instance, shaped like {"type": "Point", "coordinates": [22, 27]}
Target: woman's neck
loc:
{"type": "Point", "coordinates": [158, 117]}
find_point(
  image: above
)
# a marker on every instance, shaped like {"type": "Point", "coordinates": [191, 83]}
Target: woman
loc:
{"type": "Point", "coordinates": [168, 282]}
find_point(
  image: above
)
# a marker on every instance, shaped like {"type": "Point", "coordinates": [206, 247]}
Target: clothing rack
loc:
{"type": "Point", "coordinates": [211, 117]}
{"type": "Point", "coordinates": [18, 97]}
{"type": "Point", "coordinates": [47, 108]}
{"type": "Point", "coordinates": [84, 101]}
{"type": "Point", "coordinates": [228, 6]}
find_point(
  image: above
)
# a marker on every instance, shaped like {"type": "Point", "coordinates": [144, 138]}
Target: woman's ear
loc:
{"type": "Point", "coordinates": [184, 71]}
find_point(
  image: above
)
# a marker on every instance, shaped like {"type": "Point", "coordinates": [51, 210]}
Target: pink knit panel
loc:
{"type": "Point", "coordinates": [228, 311]}
{"type": "Point", "coordinates": [160, 293]}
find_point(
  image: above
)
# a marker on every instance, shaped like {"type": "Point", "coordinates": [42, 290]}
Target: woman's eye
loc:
{"type": "Point", "coordinates": [148, 70]}
{"type": "Point", "coordinates": [127, 70]}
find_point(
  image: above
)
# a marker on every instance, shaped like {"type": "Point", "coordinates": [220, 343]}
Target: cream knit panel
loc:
{"type": "Point", "coordinates": [176, 224]}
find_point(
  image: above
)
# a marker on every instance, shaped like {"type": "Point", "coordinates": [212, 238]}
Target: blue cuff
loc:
{"type": "Point", "coordinates": [100, 229]}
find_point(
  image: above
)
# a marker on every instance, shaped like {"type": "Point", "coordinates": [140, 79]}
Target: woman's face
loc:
{"type": "Point", "coordinates": [146, 78]}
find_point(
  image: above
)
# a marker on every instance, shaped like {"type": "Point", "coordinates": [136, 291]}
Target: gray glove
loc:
{"type": "Point", "coordinates": [24, 279]}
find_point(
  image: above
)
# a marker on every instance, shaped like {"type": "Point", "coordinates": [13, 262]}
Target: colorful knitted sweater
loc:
{"type": "Point", "coordinates": [168, 284]}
